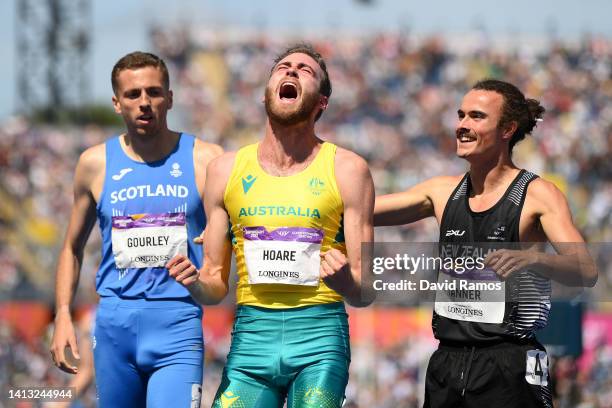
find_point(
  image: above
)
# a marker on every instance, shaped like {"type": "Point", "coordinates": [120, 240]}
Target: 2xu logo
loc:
{"type": "Point", "coordinates": [454, 233]}
{"type": "Point", "coordinates": [536, 370]}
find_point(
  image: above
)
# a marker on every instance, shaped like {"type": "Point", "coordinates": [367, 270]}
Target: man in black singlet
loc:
{"type": "Point", "coordinates": [488, 354]}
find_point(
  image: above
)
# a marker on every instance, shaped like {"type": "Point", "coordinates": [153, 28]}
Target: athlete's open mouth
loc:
{"type": "Point", "coordinates": [465, 137]}
{"type": "Point", "coordinates": [288, 91]}
{"type": "Point", "coordinates": [145, 117]}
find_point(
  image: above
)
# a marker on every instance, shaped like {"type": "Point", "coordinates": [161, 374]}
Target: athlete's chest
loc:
{"type": "Point", "coordinates": [256, 199]}
{"type": "Point", "coordinates": [139, 188]}
{"type": "Point", "coordinates": [460, 223]}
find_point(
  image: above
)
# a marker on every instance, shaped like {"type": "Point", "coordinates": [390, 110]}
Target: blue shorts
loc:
{"type": "Point", "coordinates": [148, 353]}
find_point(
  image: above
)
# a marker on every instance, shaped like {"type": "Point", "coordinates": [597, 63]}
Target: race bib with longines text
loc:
{"type": "Point", "coordinates": [148, 240]}
{"type": "Point", "coordinates": [285, 255]}
{"type": "Point", "coordinates": [472, 296]}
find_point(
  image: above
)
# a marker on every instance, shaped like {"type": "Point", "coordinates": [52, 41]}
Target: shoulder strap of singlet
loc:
{"type": "Point", "coordinates": [113, 146]}
{"type": "Point", "coordinates": [461, 189]}
{"type": "Point", "coordinates": [458, 192]}
{"type": "Point", "coordinates": [518, 190]}
{"type": "Point", "coordinates": [325, 157]}
{"type": "Point", "coordinates": [186, 143]}
{"type": "Point", "coordinates": [242, 159]}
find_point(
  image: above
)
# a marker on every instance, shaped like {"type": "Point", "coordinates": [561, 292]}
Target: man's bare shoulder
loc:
{"type": "Point", "coordinates": [544, 194]}
{"type": "Point", "coordinates": [218, 174]}
{"type": "Point", "coordinates": [440, 183]}
{"type": "Point", "coordinates": [205, 152]}
{"type": "Point", "coordinates": [93, 160]}
{"type": "Point", "coordinates": [348, 162]}
{"type": "Point", "coordinates": [90, 170]}
{"type": "Point", "coordinates": [222, 164]}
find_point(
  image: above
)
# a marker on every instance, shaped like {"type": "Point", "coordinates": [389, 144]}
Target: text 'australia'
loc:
{"type": "Point", "coordinates": [277, 210]}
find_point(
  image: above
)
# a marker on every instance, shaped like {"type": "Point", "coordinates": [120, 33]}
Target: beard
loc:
{"type": "Point", "coordinates": [290, 115]}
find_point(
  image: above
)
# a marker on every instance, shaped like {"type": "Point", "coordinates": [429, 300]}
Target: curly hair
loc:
{"type": "Point", "coordinates": [525, 112]}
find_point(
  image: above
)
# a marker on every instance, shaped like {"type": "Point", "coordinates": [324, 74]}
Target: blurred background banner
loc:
{"type": "Point", "coordinates": [398, 71]}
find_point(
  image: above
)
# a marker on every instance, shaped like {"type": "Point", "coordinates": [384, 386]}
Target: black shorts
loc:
{"type": "Point", "coordinates": [503, 375]}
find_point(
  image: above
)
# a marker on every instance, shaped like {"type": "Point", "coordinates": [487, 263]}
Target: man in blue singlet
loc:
{"type": "Point", "coordinates": [145, 187]}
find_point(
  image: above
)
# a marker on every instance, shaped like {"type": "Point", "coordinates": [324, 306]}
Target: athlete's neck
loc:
{"type": "Point", "coordinates": [286, 150]}
{"type": "Point", "coordinates": [149, 148]}
{"type": "Point", "coordinates": [489, 176]}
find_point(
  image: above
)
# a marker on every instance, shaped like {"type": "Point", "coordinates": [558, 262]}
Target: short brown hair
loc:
{"type": "Point", "coordinates": [139, 59]}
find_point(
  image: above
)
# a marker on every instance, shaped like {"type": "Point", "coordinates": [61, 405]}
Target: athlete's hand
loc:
{"type": "Point", "coordinates": [182, 270]}
{"type": "Point", "coordinates": [335, 271]}
{"type": "Point", "coordinates": [200, 239]}
{"type": "Point", "coordinates": [505, 262]}
{"type": "Point", "coordinates": [64, 338]}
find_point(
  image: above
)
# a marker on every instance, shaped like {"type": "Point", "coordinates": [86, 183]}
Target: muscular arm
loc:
{"type": "Point", "coordinates": [203, 154]}
{"type": "Point", "coordinates": [357, 191]}
{"type": "Point", "coordinates": [423, 200]}
{"type": "Point", "coordinates": [82, 219]}
{"type": "Point", "coordinates": [573, 265]}
{"type": "Point", "coordinates": [545, 205]}
{"type": "Point", "coordinates": [212, 284]}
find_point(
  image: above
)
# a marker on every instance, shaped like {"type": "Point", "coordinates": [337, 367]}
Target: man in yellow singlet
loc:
{"type": "Point", "coordinates": [298, 209]}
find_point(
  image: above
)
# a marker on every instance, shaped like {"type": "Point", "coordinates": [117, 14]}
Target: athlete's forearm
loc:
{"type": "Point", "coordinates": [358, 293]}
{"type": "Point", "coordinates": [357, 297]}
{"type": "Point", "coordinates": [577, 269]}
{"type": "Point", "coordinates": [205, 294]}
{"type": "Point", "coordinates": [208, 289]}
{"type": "Point", "coordinates": [67, 279]}
{"type": "Point", "coordinates": [400, 209]}
{"type": "Point", "coordinates": [401, 216]}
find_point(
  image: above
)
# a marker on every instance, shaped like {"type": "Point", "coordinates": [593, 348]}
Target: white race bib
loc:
{"type": "Point", "coordinates": [536, 368]}
{"type": "Point", "coordinates": [148, 240]}
{"type": "Point", "coordinates": [285, 255]}
{"type": "Point", "coordinates": [471, 305]}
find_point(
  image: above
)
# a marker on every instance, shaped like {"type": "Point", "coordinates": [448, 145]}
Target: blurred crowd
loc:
{"type": "Point", "coordinates": [38, 163]}
{"type": "Point", "coordinates": [380, 377]}
{"type": "Point", "coordinates": [394, 101]}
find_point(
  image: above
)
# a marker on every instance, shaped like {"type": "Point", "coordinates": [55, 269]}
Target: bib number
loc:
{"type": "Point", "coordinates": [285, 255]}
{"type": "Point", "coordinates": [148, 240]}
{"type": "Point", "coordinates": [465, 303]}
{"type": "Point", "coordinates": [536, 371]}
